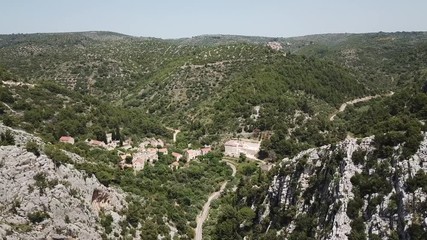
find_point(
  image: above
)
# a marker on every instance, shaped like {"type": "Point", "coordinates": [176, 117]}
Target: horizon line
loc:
{"type": "Point", "coordinates": [212, 34]}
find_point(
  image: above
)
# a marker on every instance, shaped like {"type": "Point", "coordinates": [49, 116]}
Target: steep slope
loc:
{"type": "Point", "coordinates": [342, 191]}
{"type": "Point", "coordinates": [346, 193]}
{"type": "Point", "coordinates": [366, 187]}
{"type": "Point", "coordinates": [40, 199]}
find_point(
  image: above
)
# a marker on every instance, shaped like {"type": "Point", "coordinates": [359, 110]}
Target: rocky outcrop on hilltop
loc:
{"type": "Point", "coordinates": [39, 200]}
{"type": "Point", "coordinates": [347, 191]}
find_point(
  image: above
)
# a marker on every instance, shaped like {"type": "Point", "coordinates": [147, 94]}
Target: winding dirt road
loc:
{"type": "Point", "coordinates": [175, 132]}
{"type": "Point", "coordinates": [357, 100]}
{"type": "Point", "coordinates": [201, 218]}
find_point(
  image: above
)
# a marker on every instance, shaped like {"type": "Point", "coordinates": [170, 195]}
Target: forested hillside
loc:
{"type": "Point", "coordinates": [160, 198]}
{"type": "Point", "coordinates": [208, 88]}
{"type": "Point", "coordinates": [341, 118]}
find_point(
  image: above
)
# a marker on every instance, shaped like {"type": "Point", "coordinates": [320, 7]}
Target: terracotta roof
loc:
{"type": "Point", "coordinates": [96, 142]}
{"type": "Point", "coordinates": [138, 161]}
{"type": "Point", "coordinates": [151, 149]}
{"type": "Point", "coordinates": [66, 138]}
{"type": "Point", "coordinates": [191, 151]}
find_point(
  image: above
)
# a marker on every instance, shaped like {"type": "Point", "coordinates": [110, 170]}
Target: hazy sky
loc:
{"type": "Point", "coordinates": [186, 18]}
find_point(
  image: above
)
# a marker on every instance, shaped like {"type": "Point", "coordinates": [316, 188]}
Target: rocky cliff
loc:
{"type": "Point", "coordinates": [39, 200]}
{"type": "Point", "coordinates": [348, 191]}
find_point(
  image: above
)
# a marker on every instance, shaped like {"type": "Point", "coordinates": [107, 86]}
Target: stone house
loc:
{"type": "Point", "coordinates": [177, 156]}
{"type": "Point", "coordinates": [96, 143]}
{"type": "Point", "coordinates": [141, 158]}
{"type": "Point", "coordinates": [109, 137]}
{"type": "Point", "coordinates": [152, 142]}
{"type": "Point", "coordinates": [248, 147]}
{"type": "Point", "coordinates": [205, 150]}
{"type": "Point", "coordinates": [191, 154]}
{"type": "Point", "coordinates": [174, 165]}
{"type": "Point", "coordinates": [138, 164]}
{"type": "Point", "coordinates": [164, 151]}
{"type": "Point", "coordinates": [67, 139]}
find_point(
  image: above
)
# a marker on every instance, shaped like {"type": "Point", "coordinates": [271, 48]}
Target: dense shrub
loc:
{"type": "Point", "coordinates": [57, 155]}
{"type": "Point", "coordinates": [358, 156]}
{"type": "Point", "coordinates": [354, 206]}
{"type": "Point", "coordinates": [38, 216]}
{"type": "Point", "coordinates": [418, 181]}
{"type": "Point", "coordinates": [7, 138]}
{"type": "Point", "coordinates": [33, 147]}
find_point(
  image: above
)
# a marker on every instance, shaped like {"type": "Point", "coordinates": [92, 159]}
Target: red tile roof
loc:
{"type": "Point", "coordinates": [206, 149]}
{"type": "Point", "coordinates": [96, 142]}
{"type": "Point", "coordinates": [65, 138]}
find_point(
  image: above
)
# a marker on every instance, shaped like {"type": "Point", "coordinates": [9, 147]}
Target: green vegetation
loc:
{"type": "Point", "coordinates": [416, 231]}
{"type": "Point", "coordinates": [418, 181]}
{"type": "Point", "coordinates": [178, 195]}
{"type": "Point", "coordinates": [357, 229]}
{"type": "Point", "coordinates": [206, 90]}
{"type": "Point", "coordinates": [57, 155]}
{"type": "Point", "coordinates": [106, 221]}
{"type": "Point", "coordinates": [7, 138]}
{"type": "Point", "coordinates": [33, 147]}
{"type": "Point", "coordinates": [41, 181]}
{"type": "Point", "coordinates": [85, 85]}
{"type": "Point", "coordinates": [393, 121]}
{"type": "Point", "coordinates": [70, 113]}
{"type": "Point", "coordinates": [392, 128]}
{"type": "Point", "coordinates": [232, 212]}
{"type": "Point", "coordinates": [383, 61]}
{"type": "Point", "coordinates": [38, 216]}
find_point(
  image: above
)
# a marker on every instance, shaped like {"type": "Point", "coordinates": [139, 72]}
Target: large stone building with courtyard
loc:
{"type": "Point", "coordinates": [248, 147]}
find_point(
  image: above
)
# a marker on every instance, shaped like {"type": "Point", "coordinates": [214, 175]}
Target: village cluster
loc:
{"type": "Point", "coordinates": [147, 152]}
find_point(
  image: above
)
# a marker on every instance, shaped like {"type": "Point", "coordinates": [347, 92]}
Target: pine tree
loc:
{"type": "Point", "coordinates": [118, 136]}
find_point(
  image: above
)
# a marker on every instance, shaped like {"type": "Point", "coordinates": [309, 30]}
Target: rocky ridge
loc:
{"type": "Point", "coordinates": [39, 200]}
{"type": "Point", "coordinates": [321, 183]}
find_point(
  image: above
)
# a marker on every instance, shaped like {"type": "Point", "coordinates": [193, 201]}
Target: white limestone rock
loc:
{"type": "Point", "coordinates": [71, 199]}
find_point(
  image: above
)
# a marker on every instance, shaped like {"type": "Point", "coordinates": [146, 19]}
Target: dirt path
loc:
{"type": "Point", "coordinates": [175, 132]}
{"type": "Point", "coordinates": [357, 100]}
{"type": "Point", "coordinates": [13, 111]}
{"type": "Point", "coordinates": [201, 218]}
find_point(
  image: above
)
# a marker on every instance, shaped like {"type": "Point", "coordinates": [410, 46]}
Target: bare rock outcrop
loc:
{"type": "Point", "coordinates": [41, 201]}
{"type": "Point", "coordinates": [319, 184]}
